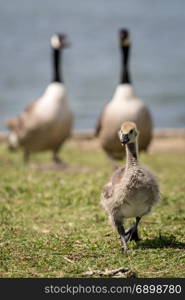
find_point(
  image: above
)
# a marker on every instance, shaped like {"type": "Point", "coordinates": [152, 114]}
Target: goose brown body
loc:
{"type": "Point", "coordinates": [47, 122]}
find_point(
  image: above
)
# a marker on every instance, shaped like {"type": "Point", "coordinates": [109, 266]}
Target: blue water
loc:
{"type": "Point", "coordinates": [91, 65]}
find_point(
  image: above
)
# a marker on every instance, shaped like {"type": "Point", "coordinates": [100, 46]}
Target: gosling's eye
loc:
{"type": "Point", "coordinates": [131, 131]}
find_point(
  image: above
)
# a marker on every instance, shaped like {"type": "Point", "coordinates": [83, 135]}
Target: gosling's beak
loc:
{"type": "Point", "coordinates": [124, 139]}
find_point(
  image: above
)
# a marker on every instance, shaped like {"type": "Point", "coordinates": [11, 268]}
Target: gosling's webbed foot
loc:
{"type": "Point", "coordinates": [132, 234]}
{"type": "Point", "coordinates": [135, 237]}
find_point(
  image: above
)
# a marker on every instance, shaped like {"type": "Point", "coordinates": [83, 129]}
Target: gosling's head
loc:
{"type": "Point", "coordinates": [128, 133]}
{"type": "Point", "coordinates": [59, 41]}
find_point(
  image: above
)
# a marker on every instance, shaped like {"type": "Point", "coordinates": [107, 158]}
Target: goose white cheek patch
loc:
{"type": "Point", "coordinates": [55, 42]}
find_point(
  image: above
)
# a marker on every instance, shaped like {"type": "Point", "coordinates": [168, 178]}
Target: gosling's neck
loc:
{"type": "Point", "coordinates": [131, 155]}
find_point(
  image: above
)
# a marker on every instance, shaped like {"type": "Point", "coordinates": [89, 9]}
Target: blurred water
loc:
{"type": "Point", "coordinates": [91, 65]}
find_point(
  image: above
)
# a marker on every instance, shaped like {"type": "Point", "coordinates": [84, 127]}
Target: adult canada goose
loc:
{"type": "Point", "coordinates": [46, 123]}
{"type": "Point", "coordinates": [132, 191]}
{"type": "Point", "coordinates": [124, 106]}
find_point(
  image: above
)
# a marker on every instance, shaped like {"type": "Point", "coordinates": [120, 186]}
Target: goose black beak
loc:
{"type": "Point", "coordinates": [65, 43]}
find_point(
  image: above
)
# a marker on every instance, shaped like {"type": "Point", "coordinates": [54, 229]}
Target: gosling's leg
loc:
{"type": "Point", "coordinates": [121, 231]}
{"type": "Point", "coordinates": [132, 233]}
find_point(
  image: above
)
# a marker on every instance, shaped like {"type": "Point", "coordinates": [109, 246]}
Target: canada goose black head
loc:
{"type": "Point", "coordinates": [128, 133]}
{"type": "Point", "coordinates": [59, 41]}
{"type": "Point", "coordinates": [124, 38]}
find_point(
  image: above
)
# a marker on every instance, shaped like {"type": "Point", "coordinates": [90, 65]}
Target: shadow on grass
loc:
{"type": "Point", "coordinates": [162, 241]}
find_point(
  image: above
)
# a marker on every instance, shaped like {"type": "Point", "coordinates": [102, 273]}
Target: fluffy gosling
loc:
{"type": "Point", "coordinates": [132, 190]}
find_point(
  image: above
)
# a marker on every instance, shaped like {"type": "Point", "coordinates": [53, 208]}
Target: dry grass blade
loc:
{"type": "Point", "coordinates": [120, 272]}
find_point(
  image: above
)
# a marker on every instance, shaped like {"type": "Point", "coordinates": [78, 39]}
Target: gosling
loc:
{"type": "Point", "coordinates": [132, 190]}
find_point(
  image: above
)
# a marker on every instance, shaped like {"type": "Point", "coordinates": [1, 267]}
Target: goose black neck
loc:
{"type": "Point", "coordinates": [57, 76]}
{"type": "Point", "coordinates": [125, 74]}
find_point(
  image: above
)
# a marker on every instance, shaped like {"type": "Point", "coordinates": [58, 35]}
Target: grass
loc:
{"type": "Point", "coordinates": [52, 225]}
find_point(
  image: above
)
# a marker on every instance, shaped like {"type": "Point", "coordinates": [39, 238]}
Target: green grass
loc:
{"type": "Point", "coordinates": [52, 225]}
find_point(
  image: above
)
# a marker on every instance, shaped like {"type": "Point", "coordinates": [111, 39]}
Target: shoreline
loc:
{"type": "Point", "coordinates": [164, 140]}
{"type": "Point", "coordinates": [157, 133]}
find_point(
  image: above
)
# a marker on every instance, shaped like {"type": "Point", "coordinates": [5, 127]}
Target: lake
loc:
{"type": "Point", "coordinates": [91, 66]}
